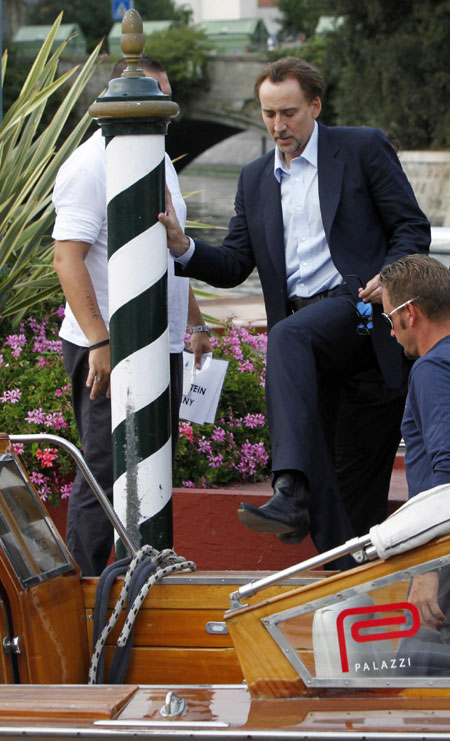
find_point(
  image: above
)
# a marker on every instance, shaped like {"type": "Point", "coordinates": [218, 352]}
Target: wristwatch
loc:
{"type": "Point", "coordinates": [200, 328]}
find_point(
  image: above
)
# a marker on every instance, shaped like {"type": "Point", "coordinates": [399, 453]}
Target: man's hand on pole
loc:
{"type": "Point", "coordinates": [177, 242]}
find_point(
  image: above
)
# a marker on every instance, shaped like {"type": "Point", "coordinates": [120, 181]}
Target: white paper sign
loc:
{"type": "Point", "coordinates": [201, 388]}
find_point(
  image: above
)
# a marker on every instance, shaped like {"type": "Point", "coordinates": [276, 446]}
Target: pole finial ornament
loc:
{"type": "Point", "coordinates": [132, 43]}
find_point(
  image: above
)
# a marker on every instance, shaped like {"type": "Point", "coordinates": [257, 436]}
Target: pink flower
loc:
{"type": "Point", "coordinates": [42, 344]}
{"type": "Point", "coordinates": [186, 430]}
{"type": "Point", "coordinates": [61, 312]}
{"type": "Point", "coordinates": [42, 362]}
{"type": "Point", "coordinates": [12, 396]}
{"type": "Point", "coordinates": [41, 483]}
{"type": "Point", "coordinates": [16, 342]}
{"type": "Point", "coordinates": [218, 434]}
{"type": "Point", "coordinates": [188, 484]}
{"type": "Point", "coordinates": [46, 456]}
{"type": "Point", "coordinates": [35, 416]}
{"type": "Point", "coordinates": [254, 420]}
{"type": "Point", "coordinates": [252, 456]}
{"type": "Point", "coordinates": [17, 448]}
{"type": "Point", "coordinates": [65, 490]}
{"type": "Point", "coordinates": [56, 420]}
{"type": "Point", "coordinates": [204, 446]}
{"type": "Point", "coordinates": [246, 365]}
{"type": "Point", "coordinates": [215, 461]}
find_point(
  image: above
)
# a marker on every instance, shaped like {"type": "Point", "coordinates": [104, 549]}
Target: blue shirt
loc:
{"type": "Point", "coordinates": [309, 266]}
{"type": "Point", "coordinates": [426, 420]}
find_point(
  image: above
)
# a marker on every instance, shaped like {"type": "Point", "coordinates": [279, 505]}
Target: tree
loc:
{"type": "Point", "coordinates": [162, 10]}
{"type": "Point", "coordinates": [390, 64]}
{"type": "Point", "coordinates": [95, 18]}
{"type": "Point", "coordinates": [298, 17]}
{"type": "Point", "coordinates": [183, 52]}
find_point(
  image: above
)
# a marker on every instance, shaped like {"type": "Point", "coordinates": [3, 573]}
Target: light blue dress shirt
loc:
{"type": "Point", "coordinates": [309, 266]}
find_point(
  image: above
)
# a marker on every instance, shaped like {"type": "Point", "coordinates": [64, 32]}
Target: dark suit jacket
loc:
{"type": "Point", "coordinates": [370, 216]}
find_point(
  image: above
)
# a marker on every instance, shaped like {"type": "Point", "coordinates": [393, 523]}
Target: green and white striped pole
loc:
{"type": "Point", "coordinates": [134, 115]}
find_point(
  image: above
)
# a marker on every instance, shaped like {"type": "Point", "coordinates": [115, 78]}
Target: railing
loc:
{"type": "Point", "coordinates": [87, 473]}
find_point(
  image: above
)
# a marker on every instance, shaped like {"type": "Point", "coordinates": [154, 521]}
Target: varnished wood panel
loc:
{"type": "Point", "coordinates": [178, 666]}
{"type": "Point", "coordinates": [54, 632]}
{"type": "Point", "coordinates": [193, 595]}
{"type": "Point", "coordinates": [43, 703]}
{"type": "Point", "coordinates": [182, 628]}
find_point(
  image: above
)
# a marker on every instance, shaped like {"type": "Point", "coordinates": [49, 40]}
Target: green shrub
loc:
{"type": "Point", "coordinates": [234, 449]}
{"type": "Point", "coordinates": [183, 52]}
{"type": "Point", "coordinates": [35, 397]}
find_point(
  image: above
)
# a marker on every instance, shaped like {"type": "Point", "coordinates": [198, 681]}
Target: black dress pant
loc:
{"type": "Point", "coordinates": [89, 535]}
{"type": "Point", "coordinates": [324, 425]}
{"type": "Point", "coordinates": [367, 440]}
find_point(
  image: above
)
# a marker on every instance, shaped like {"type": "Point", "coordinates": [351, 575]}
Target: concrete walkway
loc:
{"type": "Point", "coordinates": [245, 311]}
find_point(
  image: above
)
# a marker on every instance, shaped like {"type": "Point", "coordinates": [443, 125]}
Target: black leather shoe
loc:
{"type": "Point", "coordinates": [293, 538]}
{"type": "Point", "coordinates": [286, 512]}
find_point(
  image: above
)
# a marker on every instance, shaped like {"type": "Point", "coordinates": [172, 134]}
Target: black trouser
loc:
{"type": "Point", "coordinates": [367, 439]}
{"type": "Point", "coordinates": [319, 422]}
{"type": "Point", "coordinates": [364, 458]}
{"type": "Point", "coordinates": [89, 533]}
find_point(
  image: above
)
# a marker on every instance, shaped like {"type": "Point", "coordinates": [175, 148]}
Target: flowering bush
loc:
{"type": "Point", "coordinates": [235, 448]}
{"type": "Point", "coordinates": [35, 396]}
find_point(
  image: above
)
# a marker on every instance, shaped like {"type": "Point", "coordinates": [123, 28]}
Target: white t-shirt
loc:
{"type": "Point", "coordinates": [79, 197]}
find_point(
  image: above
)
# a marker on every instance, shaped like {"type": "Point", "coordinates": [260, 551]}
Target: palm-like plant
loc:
{"type": "Point", "coordinates": [29, 161]}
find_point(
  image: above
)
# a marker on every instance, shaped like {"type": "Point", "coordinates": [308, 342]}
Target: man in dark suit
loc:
{"type": "Point", "coordinates": [319, 217]}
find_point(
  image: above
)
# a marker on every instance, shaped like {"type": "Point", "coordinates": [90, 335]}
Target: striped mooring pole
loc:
{"type": "Point", "coordinates": [134, 114]}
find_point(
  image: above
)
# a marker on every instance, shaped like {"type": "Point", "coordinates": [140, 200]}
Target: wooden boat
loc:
{"type": "Point", "coordinates": [295, 654]}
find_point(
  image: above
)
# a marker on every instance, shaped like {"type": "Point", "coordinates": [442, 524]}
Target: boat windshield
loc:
{"type": "Point", "coordinates": [27, 537]}
{"type": "Point", "coordinates": [390, 631]}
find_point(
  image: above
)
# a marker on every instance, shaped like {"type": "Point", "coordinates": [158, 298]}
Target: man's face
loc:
{"type": "Point", "coordinates": [402, 331]}
{"type": "Point", "coordinates": [288, 115]}
{"type": "Point", "coordinates": [160, 77]}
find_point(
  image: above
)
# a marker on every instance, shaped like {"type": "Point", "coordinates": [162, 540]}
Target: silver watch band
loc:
{"type": "Point", "coordinates": [200, 328]}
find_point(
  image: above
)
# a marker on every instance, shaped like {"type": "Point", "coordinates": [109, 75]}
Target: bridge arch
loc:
{"type": "Point", "coordinates": [193, 134]}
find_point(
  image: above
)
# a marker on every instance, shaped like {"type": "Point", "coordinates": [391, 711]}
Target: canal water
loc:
{"type": "Point", "coordinates": [209, 195]}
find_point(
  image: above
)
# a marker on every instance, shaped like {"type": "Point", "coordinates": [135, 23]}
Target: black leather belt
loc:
{"type": "Point", "coordinates": [300, 302]}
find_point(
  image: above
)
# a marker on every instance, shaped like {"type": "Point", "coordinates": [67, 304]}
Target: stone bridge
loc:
{"type": "Point", "coordinates": [227, 107]}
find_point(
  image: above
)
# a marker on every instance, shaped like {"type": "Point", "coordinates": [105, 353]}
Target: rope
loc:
{"type": "Point", "coordinates": [147, 568]}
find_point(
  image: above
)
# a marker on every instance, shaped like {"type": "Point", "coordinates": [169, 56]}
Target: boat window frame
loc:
{"type": "Point", "coordinates": [271, 622]}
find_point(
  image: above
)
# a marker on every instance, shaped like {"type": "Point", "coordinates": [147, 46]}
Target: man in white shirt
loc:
{"type": "Point", "coordinates": [81, 261]}
{"type": "Point", "coordinates": [318, 217]}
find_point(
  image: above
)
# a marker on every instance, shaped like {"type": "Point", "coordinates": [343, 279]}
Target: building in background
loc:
{"type": "Point", "coordinates": [236, 36]}
{"type": "Point", "coordinates": [29, 39]}
{"type": "Point", "coordinates": [149, 27]}
{"type": "Point", "coordinates": [218, 10]}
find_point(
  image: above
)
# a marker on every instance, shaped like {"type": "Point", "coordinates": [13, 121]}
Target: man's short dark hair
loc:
{"type": "Point", "coordinates": [419, 276]}
{"type": "Point", "coordinates": [147, 63]}
{"type": "Point", "coordinates": [307, 76]}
